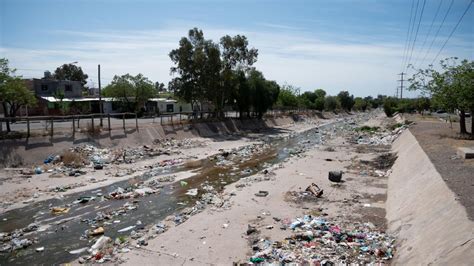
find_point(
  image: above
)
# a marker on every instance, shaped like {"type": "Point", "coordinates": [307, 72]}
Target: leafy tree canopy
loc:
{"type": "Point", "coordinates": [71, 72]}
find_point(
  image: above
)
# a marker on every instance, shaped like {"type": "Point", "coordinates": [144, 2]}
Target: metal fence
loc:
{"type": "Point", "coordinates": [104, 120]}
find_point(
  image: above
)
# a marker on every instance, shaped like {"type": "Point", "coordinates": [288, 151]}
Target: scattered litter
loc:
{"type": "Point", "coordinates": [262, 193]}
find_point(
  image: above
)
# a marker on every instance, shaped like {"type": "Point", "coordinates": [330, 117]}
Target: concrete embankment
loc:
{"type": "Point", "coordinates": [17, 152]}
{"type": "Point", "coordinates": [432, 227]}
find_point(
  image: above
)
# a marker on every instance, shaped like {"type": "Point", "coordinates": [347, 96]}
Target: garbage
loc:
{"type": "Point", "coordinates": [262, 193]}
{"type": "Point", "coordinates": [126, 229]}
{"type": "Point", "coordinates": [99, 244]}
{"type": "Point", "coordinates": [251, 229]}
{"type": "Point", "coordinates": [320, 242]}
{"type": "Point", "coordinates": [40, 249]}
{"type": "Point", "coordinates": [335, 176]}
{"type": "Point", "coordinates": [78, 251]}
{"type": "Point", "coordinates": [183, 183]}
{"type": "Point", "coordinates": [38, 170]}
{"type": "Point", "coordinates": [84, 199]}
{"type": "Point", "coordinates": [192, 192]}
{"type": "Point", "coordinates": [97, 231]}
{"type": "Point", "coordinates": [59, 210]}
{"type": "Point", "coordinates": [313, 188]}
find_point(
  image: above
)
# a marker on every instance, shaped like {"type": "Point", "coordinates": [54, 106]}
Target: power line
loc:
{"type": "Point", "coordinates": [405, 62]}
{"type": "Point", "coordinates": [416, 34]}
{"type": "Point", "coordinates": [431, 27]}
{"type": "Point", "coordinates": [437, 33]}
{"type": "Point", "coordinates": [452, 32]}
{"type": "Point", "coordinates": [408, 34]}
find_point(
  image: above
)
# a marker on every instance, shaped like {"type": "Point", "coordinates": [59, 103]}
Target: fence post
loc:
{"type": "Point", "coordinates": [28, 126]}
{"type": "Point", "coordinates": [1, 125]}
{"type": "Point", "coordinates": [73, 126]}
{"type": "Point", "coordinates": [172, 114]}
{"type": "Point", "coordinates": [136, 121]}
{"type": "Point", "coordinates": [52, 126]}
{"type": "Point", "coordinates": [161, 119]}
{"type": "Point", "coordinates": [92, 119]}
{"type": "Point", "coordinates": [108, 121]}
{"type": "Point", "coordinates": [123, 122]}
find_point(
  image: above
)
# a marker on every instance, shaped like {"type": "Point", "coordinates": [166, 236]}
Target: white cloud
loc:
{"type": "Point", "coordinates": [363, 67]}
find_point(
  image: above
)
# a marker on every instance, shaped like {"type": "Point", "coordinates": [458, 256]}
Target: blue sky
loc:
{"type": "Point", "coordinates": [355, 45]}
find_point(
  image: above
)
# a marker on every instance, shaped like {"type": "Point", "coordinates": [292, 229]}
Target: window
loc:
{"type": "Point", "coordinates": [68, 87]}
{"type": "Point", "coordinates": [44, 87]}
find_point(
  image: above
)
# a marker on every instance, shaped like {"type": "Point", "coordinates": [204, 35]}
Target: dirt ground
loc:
{"type": "Point", "coordinates": [440, 142]}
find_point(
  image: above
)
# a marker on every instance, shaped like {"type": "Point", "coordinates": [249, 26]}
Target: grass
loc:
{"type": "Point", "coordinates": [367, 129]}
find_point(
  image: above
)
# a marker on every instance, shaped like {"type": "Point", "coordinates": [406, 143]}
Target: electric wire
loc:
{"type": "Point", "coordinates": [452, 32]}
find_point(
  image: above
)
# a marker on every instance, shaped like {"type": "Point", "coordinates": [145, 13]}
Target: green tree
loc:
{"type": "Point", "coordinates": [132, 91]}
{"type": "Point", "coordinates": [287, 98]}
{"type": "Point", "coordinates": [13, 92]}
{"type": "Point", "coordinates": [360, 104]}
{"type": "Point", "coordinates": [331, 103]}
{"type": "Point", "coordinates": [242, 94]}
{"type": "Point", "coordinates": [451, 88]}
{"type": "Point", "coordinates": [346, 100]}
{"type": "Point", "coordinates": [320, 99]}
{"type": "Point", "coordinates": [71, 72]}
{"type": "Point", "coordinates": [390, 106]}
{"type": "Point", "coordinates": [189, 61]}
{"type": "Point", "coordinates": [265, 93]}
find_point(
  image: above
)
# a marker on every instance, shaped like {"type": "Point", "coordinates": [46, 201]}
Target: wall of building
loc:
{"type": "Point", "coordinates": [48, 87]}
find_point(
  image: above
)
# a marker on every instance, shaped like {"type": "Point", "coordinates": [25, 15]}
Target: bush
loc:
{"type": "Point", "coordinates": [389, 106]}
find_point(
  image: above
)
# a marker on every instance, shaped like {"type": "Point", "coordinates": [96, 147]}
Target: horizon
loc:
{"type": "Point", "coordinates": [356, 46]}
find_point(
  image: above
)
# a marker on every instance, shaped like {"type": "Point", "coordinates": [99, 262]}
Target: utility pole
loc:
{"type": "Point", "coordinates": [401, 85]}
{"type": "Point", "coordinates": [100, 97]}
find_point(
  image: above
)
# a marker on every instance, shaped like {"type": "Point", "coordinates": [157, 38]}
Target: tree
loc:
{"type": "Point", "coordinates": [189, 60]}
{"type": "Point", "coordinates": [236, 57]}
{"type": "Point", "coordinates": [346, 100]}
{"type": "Point", "coordinates": [160, 87]}
{"type": "Point", "coordinates": [13, 92]}
{"type": "Point", "coordinates": [242, 94]}
{"type": "Point", "coordinates": [451, 88]}
{"type": "Point", "coordinates": [132, 91]}
{"type": "Point", "coordinates": [265, 93]}
{"type": "Point", "coordinates": [360, 104]}
{"type": "Point", "coordinates": [389, 106]}
{"type": "Point", "coordinates": [422, 104]}
{"type": "Point", "coordinates": [331, 103]}
{"type": "Point", "coordinates": [288, 97]}
{"type": "Point", "coordinates": [320, 98]}
{"type": "Point", "coordinates": [71, 72]}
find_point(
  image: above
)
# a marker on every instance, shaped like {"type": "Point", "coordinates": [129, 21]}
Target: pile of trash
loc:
{"type": "Point", "coordinates": [239, 155]}
{"type": "Point", "coordinates": [379, 137]}
{"type": "Point", "coordinates": [172, 143]}
{"type": "Point", "coordinates": [17, 239]}
{"type": "Point", "coordinates": [320, 242]}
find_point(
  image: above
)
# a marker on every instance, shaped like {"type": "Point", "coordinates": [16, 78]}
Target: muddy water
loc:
{"type": "Point", "coordinates": [62, 233]}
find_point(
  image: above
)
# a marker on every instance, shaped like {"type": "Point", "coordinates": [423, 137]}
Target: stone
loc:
{"type": "Point", "coordinates": [466, 152]}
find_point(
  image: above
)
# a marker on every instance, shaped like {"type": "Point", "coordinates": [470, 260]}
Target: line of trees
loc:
{"type": "Point", "coordinates": [290, 97]}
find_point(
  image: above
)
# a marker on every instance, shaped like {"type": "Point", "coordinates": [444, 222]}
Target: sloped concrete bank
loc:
{"type": "Point", "coordinates": [431, 226]}
{"type": "Point", "coordinates": [16, 152]}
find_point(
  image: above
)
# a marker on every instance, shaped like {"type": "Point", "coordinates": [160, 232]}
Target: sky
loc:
{"type": "Point", "coordinates": [354, 45]}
